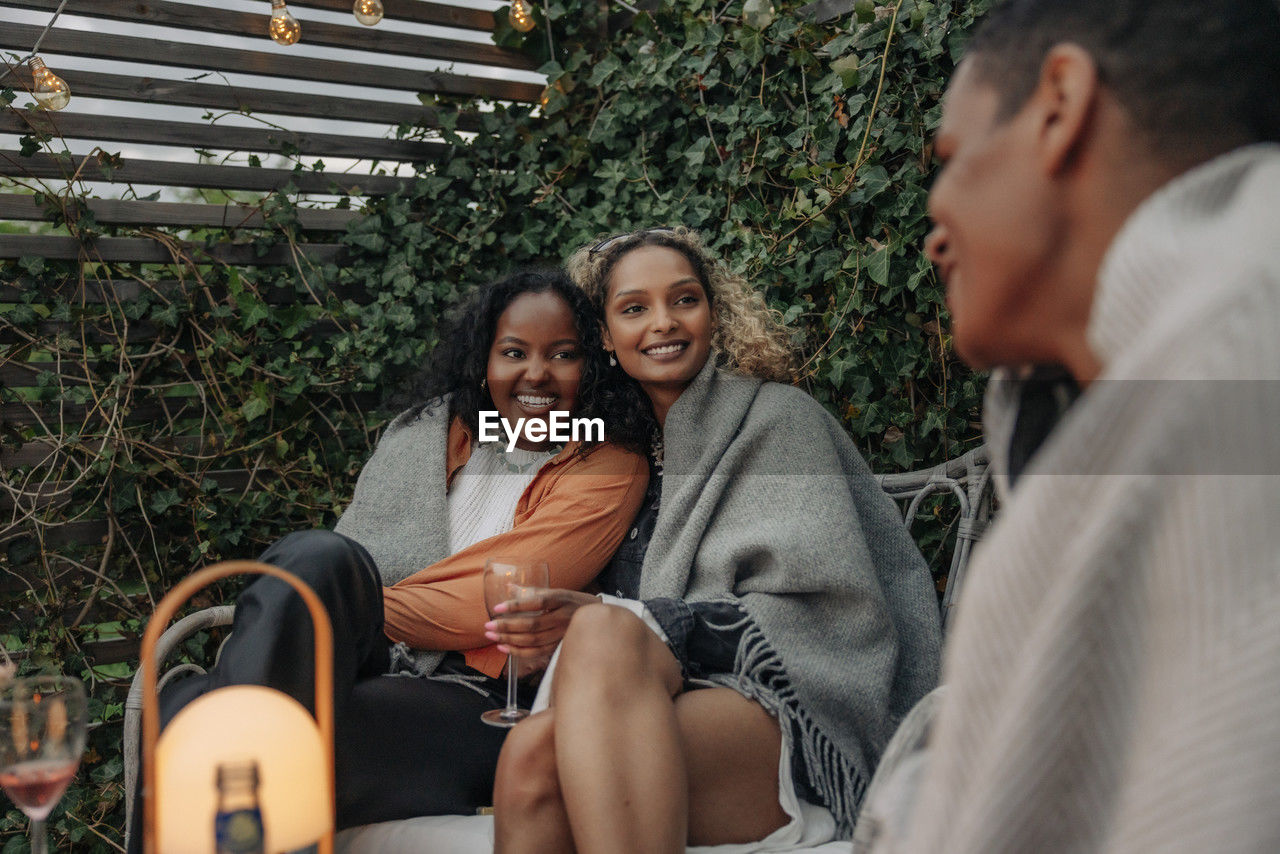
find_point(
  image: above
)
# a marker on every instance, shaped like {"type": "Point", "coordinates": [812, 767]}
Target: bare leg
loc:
{"type": "Point", "coordinates": [732, 747]}
{"type": "Point", "coordinates": [528, 809]}
{"type": "Point", "coordinates": [625, 766]}
{"type": "Point", "coordinates": [617, 743]}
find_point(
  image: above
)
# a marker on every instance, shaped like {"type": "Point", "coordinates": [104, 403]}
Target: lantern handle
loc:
{"type": "Point", "coordinates": [164, 613]}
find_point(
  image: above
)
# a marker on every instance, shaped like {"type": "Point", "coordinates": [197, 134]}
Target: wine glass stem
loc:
{"type": "Point", "coordinates": [39, 842]}
{"type": "Point", "coordinates": [511, 683]}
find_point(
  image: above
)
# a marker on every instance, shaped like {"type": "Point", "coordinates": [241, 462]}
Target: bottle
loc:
{"type": "Point", "coordinates": [237, 827]}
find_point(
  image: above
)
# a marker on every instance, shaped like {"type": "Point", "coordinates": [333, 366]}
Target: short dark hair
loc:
{"type": "Point", "coordinates": [1197, 76]}
{"type": "Point", "coordinates": [460, 361]}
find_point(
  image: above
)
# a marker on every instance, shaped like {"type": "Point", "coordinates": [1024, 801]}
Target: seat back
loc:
{"type": "Point", "coordinates": [968, 479]}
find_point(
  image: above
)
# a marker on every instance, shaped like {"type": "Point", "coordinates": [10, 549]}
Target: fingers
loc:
{"type": "Point", "coordinates": [524, 625]}
{"type": "Point", "coordinates": [543, 599]}
{"type": "Point", "coordinates": [531, 626]}
{"type": "Point", "coordinates": [538, 635]}
{"type": "Point", "coordinates": [533, 602]}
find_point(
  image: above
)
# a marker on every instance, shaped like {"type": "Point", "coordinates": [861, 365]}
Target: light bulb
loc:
{"type": "Point", "coordinates": [367, 12]}
{"type": "Point", "coordinates": [284, 28]}
{"type": "Point", "coordinates": [559, 86]}
{"type": "Point", "coordinates": [521, 15]}
{"type": "Point", "coordinates": [50, 90]}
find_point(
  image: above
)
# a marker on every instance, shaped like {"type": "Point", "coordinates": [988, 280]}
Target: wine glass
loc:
{"type": "Point", "coordinates": [42, 734]}
{"type": "Point", "coordinates": [506, 579]}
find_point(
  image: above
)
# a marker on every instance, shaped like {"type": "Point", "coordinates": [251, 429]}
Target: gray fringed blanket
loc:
{"type": "Point", "coordinates": [765, 499]}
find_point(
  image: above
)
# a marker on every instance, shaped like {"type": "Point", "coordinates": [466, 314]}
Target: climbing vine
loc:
{"type": "Point", "coordinates": [159, 416]}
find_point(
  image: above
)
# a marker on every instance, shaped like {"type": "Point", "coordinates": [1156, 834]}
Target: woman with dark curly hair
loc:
{"type": "Point", "coordinates": [768, 571]}
{"type": "Point", "coordinates": [401, 574]}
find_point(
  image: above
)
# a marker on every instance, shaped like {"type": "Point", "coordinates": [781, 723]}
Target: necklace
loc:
{"type": "Point", "coordinates": [538, 458]}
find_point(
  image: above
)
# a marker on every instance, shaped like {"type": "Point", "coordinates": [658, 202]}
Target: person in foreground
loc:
{"type": "Point", "coordinates": [1107, 206]}
{"type": "Point", "coordinates": [429, 507]}
{"type": "Point", "coordinates": [780, 576]}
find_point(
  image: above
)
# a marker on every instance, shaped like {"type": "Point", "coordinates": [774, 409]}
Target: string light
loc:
{"type": "Point", "coordinates": [284, 28]}
{"type": "Point", "coordinates": [367, 12]}
{"type": "Point", "coordinates": [49, 90]}
{"type": "Point", "coordinates": [563, 85]}
{"type": "Point", "coordinates": [521, 15]}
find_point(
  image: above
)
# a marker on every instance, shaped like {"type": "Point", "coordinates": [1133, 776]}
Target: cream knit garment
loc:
{"type": "Point", "coordinates": [1114, 673]}
{"type": "Point", "coordinates": [484, 494]}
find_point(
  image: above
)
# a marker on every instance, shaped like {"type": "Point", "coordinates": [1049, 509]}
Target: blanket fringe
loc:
{"type": "Point", "coordinates": [759, 675]}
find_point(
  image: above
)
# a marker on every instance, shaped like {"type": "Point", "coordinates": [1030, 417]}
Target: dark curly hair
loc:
{"type": "Point", "coordinates": [460, 361]}
{"type": "Point", "coordinates": [747, 336]}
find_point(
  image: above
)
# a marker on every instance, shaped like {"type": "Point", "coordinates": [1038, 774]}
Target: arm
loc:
{"type": "Point", "coordinates": [576, 525]}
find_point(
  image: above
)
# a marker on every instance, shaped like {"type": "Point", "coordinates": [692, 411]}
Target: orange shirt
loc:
{"type": "Point", "coordinates": [573, 515]}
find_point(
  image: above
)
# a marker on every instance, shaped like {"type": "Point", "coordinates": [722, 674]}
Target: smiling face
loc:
{"type": "Point", "coordinates": [995, 231]}
{"type": "Point", "coordinates": [658, 322]}
{"type": "Point", "coordinates": [535, 361]}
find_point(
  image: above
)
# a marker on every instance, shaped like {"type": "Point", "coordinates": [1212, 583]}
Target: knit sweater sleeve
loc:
{"type": "Point", "coordinates": [575, 521]}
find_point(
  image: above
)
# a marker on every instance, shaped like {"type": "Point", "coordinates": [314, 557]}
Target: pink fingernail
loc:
{"type": "Point", "coordinates": [491, 625]}
{"type": "Point", "coordinates": [493, 636]}
{"type": "Point", "coordinates": [502, 647]}
{"type": "Point", "coordinates": [500, 608]}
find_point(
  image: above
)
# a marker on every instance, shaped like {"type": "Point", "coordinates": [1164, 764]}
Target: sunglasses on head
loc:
{"type": "Point", "coordinates": [604, 245]}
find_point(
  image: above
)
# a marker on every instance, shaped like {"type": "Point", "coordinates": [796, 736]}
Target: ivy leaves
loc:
{"type": "Point", "coordinates": [800, 150]}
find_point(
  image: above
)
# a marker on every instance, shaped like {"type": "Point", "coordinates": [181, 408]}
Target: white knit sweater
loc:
{"type": "Point", "coordinates": [485, 491]}
{"type": "Point", "coordinates": [1114, 674]}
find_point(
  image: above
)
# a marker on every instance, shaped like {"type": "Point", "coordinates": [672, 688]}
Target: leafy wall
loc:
{"type": "Point", "coordinates": [800, 150]}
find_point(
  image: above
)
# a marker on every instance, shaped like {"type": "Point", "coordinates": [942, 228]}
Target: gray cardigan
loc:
{"type": "Point", "coordinates": [766, 501]}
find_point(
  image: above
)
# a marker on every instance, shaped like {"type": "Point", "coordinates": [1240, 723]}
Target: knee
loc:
{"type": "Point", "coordinates": [527, 779]}
{"type": "Point", "coordinates": [314, 547]}
{"type": "Point", "coordinates": [608, 648]}
{"type": "Point", "coordinates": [318, 556]}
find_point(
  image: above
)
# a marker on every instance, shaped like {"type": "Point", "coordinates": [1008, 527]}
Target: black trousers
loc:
{"type": "Point", "coordinates": [403, 746]}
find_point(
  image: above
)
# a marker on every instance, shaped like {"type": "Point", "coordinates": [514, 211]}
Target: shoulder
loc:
{"type": "Point", "coordinates": [418, 417]}
{"type": "Point", "coordinates": [417, 429]}
{"type": "Point", "coordinates": [779, 403]}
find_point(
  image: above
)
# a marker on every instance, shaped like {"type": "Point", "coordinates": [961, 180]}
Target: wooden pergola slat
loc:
{"type": "Point", "coordinates": [440, 14]}
{"type": "Point", "coordinates": [227, 22]}
{"type": "Point", "coordinates": [206, 175]}
{"type": "Point", "coordinates": [100, 291]}
{"type": "Point", "coordinates": [20, 37]}
{"type": "Point", "coordinates": [144, 251]}
{"type": "Point", "coordinates": [134, 212]}
{"type": "Point", "coordinates": [216, 137]}
{"type": "Point", "coordinates": [223, 96]}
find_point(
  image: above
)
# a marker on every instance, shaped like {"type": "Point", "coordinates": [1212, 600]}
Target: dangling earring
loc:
{"type": "Point", "coordinates": [613, 360]}
{"type": "Point", "coordinates": [482, 383]}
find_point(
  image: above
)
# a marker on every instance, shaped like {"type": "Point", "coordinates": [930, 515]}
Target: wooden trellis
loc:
{"type": "Point", "coordinates": [201, 45]}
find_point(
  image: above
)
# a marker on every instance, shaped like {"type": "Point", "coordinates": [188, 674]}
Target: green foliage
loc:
{"type": "Point", "coordinates": [801, 151]}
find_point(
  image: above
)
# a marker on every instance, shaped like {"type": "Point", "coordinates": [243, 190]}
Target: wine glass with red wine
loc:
{"type": "Point", "coordinates": [42, 734]}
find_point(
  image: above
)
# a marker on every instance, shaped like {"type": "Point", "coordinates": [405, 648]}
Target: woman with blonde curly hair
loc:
{"type": "Point", "coordinates": [767, 570]}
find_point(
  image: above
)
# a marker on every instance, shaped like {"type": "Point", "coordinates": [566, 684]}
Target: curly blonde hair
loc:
{"type": "Point", "coordinates": [747, 336]}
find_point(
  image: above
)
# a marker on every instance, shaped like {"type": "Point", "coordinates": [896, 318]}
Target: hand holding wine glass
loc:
{"type": "Point", "coordinates": [42, 737]}
{"type": "Point", "coordinates": [532, 627]}
{"type": "Point", "coordinates": [507, 579]}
